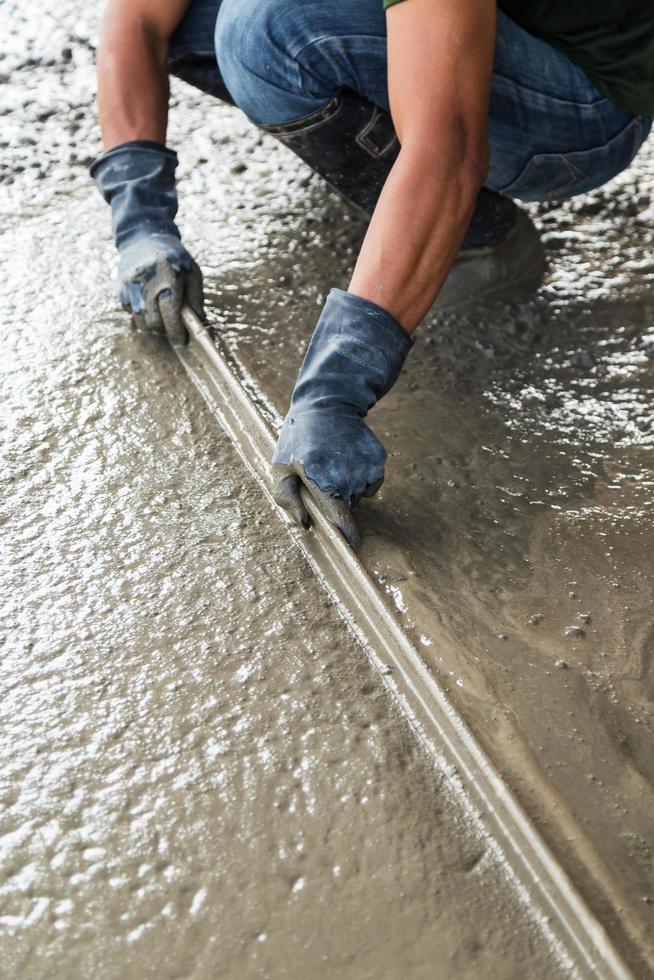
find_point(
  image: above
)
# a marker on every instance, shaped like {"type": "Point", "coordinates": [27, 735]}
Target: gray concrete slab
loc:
{"type": "Point", "coordinates": [201, 774]}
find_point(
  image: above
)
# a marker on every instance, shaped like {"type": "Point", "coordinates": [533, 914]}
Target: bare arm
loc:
{"type": "Point", "coordinates": [440, 55]}
{"type": "Point", "coordinates": [132, 72]}
{"type": "Point", "coordinates": [156, 273]}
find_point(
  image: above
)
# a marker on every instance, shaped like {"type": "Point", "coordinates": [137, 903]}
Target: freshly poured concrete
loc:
{"type": "Point", "coordinates": [192, 742]}
{"type": "Point", "coordinates": [514, 533]}
{"type": "Point", "coordinates": [201, 775]}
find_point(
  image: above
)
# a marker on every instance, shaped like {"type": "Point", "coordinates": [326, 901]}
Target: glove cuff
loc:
{"type": "Point", "coordinates": [138, 180]}
{"type": "Point", "coordinates": [381, 323]}
{"type": "Point", "coordinates": [354, 357]}
{"type": "Point", "coordinates": [133, 147]}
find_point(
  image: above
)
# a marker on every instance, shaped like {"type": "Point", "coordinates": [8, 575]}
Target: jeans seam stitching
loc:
{"type": "Point", "coordinates": [569, 164]}
{"type": "Point", "coordinates": [315, 41]}
{"type": "Point", "coordinates": [333, 37]}
{"type": "Point", "coordinates": [546, 95]}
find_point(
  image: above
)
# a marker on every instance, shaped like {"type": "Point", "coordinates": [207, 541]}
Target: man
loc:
{"type": "Point", "coordinates": [534, 101]}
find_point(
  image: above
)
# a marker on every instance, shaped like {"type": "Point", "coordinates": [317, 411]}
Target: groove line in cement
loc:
{"type": "Point", "coordinates": [580, 938]}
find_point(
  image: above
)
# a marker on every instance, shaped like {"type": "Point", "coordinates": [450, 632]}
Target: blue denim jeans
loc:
{"type": "Point", "coordinates": [551, 133]}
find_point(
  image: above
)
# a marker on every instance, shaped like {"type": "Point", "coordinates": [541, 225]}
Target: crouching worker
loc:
{"type": "Point", "coordinates": [430, 117]}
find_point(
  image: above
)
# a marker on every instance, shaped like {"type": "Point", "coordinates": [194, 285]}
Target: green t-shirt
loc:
{"type": "Point", "coordinates": [612, 40]}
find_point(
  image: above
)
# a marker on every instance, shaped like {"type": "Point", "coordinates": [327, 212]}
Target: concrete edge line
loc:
{"type": "Point", "coordinates": [578, 934]}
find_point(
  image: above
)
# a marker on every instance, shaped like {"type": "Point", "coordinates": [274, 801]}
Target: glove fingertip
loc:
{"type": "Point", "coordinates": [169, 304]}
{"type": "Point", "coordinates": [129, 297]}
{"type": "Point", "coordinates": [195, 292]}
{"type": "Point", "coordinates": [339, 514]}
{"type": "Point", "coordinates": [353, 538]}
{"type": "Point", "coordinates": [350, 532]}
{"type": "Point", "coordinates": [287, 495]}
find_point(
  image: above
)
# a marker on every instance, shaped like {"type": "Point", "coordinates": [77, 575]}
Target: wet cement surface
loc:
{"type": "Point", "coordinates": [201, 776]}
{"type": "Point", "coordinates": [514, 533]}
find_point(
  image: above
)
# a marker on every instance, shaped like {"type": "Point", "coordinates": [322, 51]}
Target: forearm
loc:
{"type": "Point", "coordinates": [440, 59]}
{"type": "Point", "coordinates": [132, 81]}
{"type": "Point", "coordinates": [417, 228]}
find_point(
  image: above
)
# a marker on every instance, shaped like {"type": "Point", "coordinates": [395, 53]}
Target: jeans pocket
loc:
{"type": "Point", "coordinates": [554, 176]}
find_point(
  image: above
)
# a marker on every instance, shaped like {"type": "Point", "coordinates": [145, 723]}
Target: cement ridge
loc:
{"type": "Point", "coordinates": [579, 937]}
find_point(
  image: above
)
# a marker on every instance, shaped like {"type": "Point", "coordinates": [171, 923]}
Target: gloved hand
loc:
{"type": "Point", "coordinates": [156, 274]}
{"type": "Point", "coordinates": [354, 358]}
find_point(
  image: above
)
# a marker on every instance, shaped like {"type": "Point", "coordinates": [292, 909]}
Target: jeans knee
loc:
{"type": "Point", "coordinates": [255, 44]}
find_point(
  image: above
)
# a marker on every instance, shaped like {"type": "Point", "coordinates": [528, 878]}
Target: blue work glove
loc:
{"type": "Point", "coordinates": [156, 274]}
{"type": "Point", "coordinates": [354, 358]}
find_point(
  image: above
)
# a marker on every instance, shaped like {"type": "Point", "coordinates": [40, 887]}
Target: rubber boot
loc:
{"type": "Point", "coordinates": [352, 144]}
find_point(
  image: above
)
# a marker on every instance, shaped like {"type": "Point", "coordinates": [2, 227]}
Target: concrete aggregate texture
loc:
{"type": "Point", "coordinates": [201, 776]}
